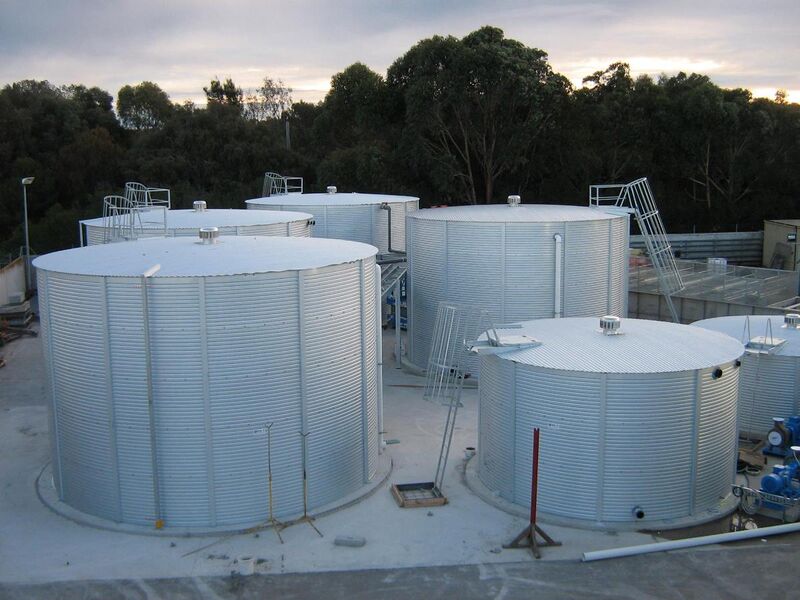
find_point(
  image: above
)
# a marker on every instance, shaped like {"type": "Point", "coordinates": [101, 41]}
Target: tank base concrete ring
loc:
{"type": "Point", "coordinates": [46, 492]}
{"type": "Point", "coordinates": [476, 486]}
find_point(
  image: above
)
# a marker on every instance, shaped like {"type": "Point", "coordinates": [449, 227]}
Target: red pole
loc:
{"type": "Point", "coordinates": [535, 474]}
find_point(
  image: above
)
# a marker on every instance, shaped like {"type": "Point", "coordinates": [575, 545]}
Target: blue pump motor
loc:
{"type": "Point", "coordinates": [780, 481]}
{"type": "Point", "coordinates": [783, 481]}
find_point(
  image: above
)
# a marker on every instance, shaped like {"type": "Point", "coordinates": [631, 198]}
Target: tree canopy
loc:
{"type": "Point", "coordinates": [453, 120]}
{"type": "Point", "coordinates": [143, 106]}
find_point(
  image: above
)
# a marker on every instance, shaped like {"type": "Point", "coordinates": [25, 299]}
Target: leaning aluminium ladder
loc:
{"type": "Point", "coordinates": [456, 328]}
{"type": "Point", "coordinates": [638, 197]}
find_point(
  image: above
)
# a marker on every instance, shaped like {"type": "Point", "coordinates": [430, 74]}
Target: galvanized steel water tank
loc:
{"type": "Point", "coordinates": [357, 217]}
{"type": "Point", "coordinates": [167, 358]}
{"type": "Point", "coordinates": [519, 262]}
{"type": "Point", "coordinates": [770, 379]}
{"type": "Point", "coordinates": [151, 223]}
{"type": "Point", "coordinates": [638, 424]}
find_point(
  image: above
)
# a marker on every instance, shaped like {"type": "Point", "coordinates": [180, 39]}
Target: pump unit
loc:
{"type": "Point", "coordinates": [784, 434]}
{"type": "Point", "coordinates": [783, 481]}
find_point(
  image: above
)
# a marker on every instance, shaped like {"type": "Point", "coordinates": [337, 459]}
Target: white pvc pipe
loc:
{"type": "Point", "coordinates": [379, 352]}
{"type": "Point", "coordinates": [705, 540]}
{"type": "Point", "coordinates": [557, 295]}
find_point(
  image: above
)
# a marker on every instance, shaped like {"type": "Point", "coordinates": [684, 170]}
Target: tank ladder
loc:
{"type": "Point", "coordinates": [638, 197]}
{"type": "Point", "coordinates": [144, 197]}
{"type": "Point", "coordinates": [122, 217]}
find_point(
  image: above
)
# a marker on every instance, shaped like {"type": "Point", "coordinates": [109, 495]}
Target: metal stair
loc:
{"type": "Point", "coordinates": [638, 198]}
{"type": "Point", "coordinates": [391, 273]}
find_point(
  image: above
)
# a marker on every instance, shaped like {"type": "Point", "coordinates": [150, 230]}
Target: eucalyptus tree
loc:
{"type": "Point", "coordinates": [143, 106]}
{"type": "Point", "coordinates": [474, 108]}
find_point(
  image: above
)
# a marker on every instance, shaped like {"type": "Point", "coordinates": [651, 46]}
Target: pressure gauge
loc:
{"type": "Point", "coordinates": [775, 438]}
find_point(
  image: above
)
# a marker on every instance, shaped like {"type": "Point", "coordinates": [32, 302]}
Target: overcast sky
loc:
{"type": "Point", "coordinates": [181, 45]}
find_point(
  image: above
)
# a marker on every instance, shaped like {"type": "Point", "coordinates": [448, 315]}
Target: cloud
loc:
{"type": "Point", "coordinates": [182, 44]}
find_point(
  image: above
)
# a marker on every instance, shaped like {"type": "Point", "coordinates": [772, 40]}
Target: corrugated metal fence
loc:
{"type": "Point", "coordinates": [743, 248]}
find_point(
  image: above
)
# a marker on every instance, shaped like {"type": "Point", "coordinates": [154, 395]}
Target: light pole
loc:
{"type": "Point", "coordinates": [26, 181]}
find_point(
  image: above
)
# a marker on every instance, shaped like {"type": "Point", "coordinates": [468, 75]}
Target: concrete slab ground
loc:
{"type": "Point", "coordinates": [445, 552]}
{"type": "Point", "coordinates": [708, 575]}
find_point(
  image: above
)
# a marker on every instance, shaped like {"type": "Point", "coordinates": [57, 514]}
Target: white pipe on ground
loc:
{"type": "Point", "coordinates": [705, 540]}
{"type": "Point", "coordinates": [379, 352]}
{"type": "Point", "coordinates": [557, 295]}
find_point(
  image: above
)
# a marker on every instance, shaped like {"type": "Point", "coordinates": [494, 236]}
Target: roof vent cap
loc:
{"type": "Point", "coordinates": [209, 235]}
{"type": "Point", "coordinates": [331, 189]}
{"type": "Point", "coordinates": [199, 206]}
{"type": "Point", "coordinates": [609, 325]}
{"type": "Point", "coordinates": [514, 200]}
{"type": "Point", "coordinates": [792, 320]}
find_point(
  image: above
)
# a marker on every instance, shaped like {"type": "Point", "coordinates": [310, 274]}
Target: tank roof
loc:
{"type": "Point", "coordinates": [218, 217]}
{"type": "Point", "coordinates": [524, 213]}
{"type": "Point", "coordinates": [735, 327]}
{"type": "Point", "coordinates": [577, 344]}
{"type": "Point", "coordinates": [189, 257]}
{"type": "Point", "coordinates": [337, 199]}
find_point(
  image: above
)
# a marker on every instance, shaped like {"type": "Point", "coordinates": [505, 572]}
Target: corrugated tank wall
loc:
{"type": "Point", "coordinates": [229, 355]}
{"type": "Point", "coordinates": [509, 270]}
{"type": "Point", "coordinates": [366, 223]}
{"type": "Point", "coordinates": [717, 436]}
{"type": "Point", "coordinates": [769, 387]}
{"type": "Point", "coordinates": [661, 442]}
{"type": "Point", "coordinates": [96, 235]}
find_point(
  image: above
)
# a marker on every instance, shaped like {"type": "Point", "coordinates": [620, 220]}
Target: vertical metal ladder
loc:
{"type": "Point", "coordinates": [638, 197]}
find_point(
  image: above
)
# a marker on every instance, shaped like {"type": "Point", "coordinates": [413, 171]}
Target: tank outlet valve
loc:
{"type": "Point", "coordinates": [638, 512]}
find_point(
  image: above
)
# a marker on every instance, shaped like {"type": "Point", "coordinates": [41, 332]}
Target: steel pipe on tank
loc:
{"type": "Point", "coordinates": [705, 540]}
{"type": "Point", "coordinates": [148, 361]}
{"type": "Point", "coordinates": [557, 239]}
{"type": "Point", "coordinates": [385, 206]}
{"type": "Point", "coordinates": [379, 353]}
{"type": "Point", "coordinates": [397, 349]}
